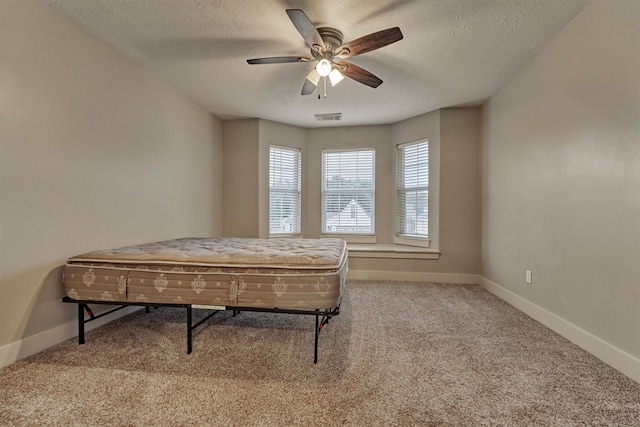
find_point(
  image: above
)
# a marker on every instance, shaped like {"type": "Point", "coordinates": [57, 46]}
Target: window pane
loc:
{"type": "Point", "coordinates": [284, 190]}
{"type": "Point", "coordinates": [348, 191]}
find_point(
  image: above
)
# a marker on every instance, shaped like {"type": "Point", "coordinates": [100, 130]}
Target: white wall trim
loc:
{"type": "Point", "coordinates": [624, 362]}
{"type": "Point", "coordinates": [28, 346]}
{"type": "Point", "coordinates": [414, 276]}
{"type": "Point", "coordinates": [391, 251]}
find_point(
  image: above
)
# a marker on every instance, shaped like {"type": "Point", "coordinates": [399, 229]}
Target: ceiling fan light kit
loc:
{"type": "Point", "coordinates": [330, 53]}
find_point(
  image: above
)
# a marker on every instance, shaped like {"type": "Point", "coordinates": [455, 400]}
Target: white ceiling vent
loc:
{"type": "Point", "coordinates": [328, 117]}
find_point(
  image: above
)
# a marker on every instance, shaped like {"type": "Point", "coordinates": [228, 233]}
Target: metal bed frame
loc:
{"type": "Point", "coordinates": [322, 316]}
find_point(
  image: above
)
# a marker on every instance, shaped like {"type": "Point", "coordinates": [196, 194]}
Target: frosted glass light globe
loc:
{"type": "Point", "coordinates": [324, 67]}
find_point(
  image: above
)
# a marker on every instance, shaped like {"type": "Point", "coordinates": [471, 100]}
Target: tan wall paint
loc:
{"type": "Point", "coordinates": [246, 172]}
{"type": "Point", "coordinates": [413, 129]}
{"type": "Point", "coordinates": [560, 163]}
{"type": "Point", "coordinates": [559, 186]}
{"type": "Point", "coordinates": [273, 133]}
{"type": "Point", "coordinates": [453, 139]}
{"type": "Point", "coordinates": [246, 194]}
{"type": "Point", "coordinates": [459, 189]}
{"type": "Point", "coordinates": [241, 178]}
{"type": "Point", "coordinates": [94, 151]}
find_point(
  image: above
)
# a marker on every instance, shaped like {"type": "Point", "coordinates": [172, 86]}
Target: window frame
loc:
{"type": "Point", "coordinates": [296, 192]}
{"type": "Point", "coordinates": [402, 236]}
{"type": "Point", "coordinates": [350, 236]}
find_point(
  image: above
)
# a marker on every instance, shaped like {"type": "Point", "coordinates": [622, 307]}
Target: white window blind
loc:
{"type": "Point", "coordinates": [348, 191]}
{"type": "Point", "coordinates": [413, 189]}
{"type": "Point", "coordinates": [284, 190]}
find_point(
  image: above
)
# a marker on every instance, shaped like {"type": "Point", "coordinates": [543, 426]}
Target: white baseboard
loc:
{"type": "Point", "coordinates": [28, 346]}
{"type": "Point", "coordinates": [624, 362]}
{"type": "Point", "coordinates": [620, 360]}
{"type": "Point", "coordinates": [412, 276]}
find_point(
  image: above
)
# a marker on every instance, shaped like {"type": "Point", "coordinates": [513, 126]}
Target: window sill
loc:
{"type": "Point", "coordinates": [412, 241]}
{"type": "Point", "coordinates": [391, 251]}
{"type": "Point", "coordinates": [351, 239]}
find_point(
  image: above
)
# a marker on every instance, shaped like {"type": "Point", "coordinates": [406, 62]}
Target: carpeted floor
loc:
{"type": "Point", "coordinates": [398, 354]}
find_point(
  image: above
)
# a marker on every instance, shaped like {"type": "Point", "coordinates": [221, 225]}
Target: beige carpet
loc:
{"type": "Point", "coordinates": [398, 354]}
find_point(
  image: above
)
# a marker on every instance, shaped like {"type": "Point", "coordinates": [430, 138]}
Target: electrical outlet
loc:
{"type": "Point", "coordinates": [527, 276]}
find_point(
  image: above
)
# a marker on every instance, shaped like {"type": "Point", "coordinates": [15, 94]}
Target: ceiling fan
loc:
{"type": "Point", "coordinates": [330, 53]}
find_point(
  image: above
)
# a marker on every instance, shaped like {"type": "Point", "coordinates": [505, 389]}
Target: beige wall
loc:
{"type": "Point", "coordinates": [414, 129]}
{"type": "Point", "coordinates": [273, 133]}
{"type": "Point", "coordinates": [453, 143]}
{"type": "Point", "coordinates": [240, 195]}
{"type": "Point", "coordinates": [459, 189]}
{"type": "Point", "coordinates": [94, 151]}
{"type": "Point", "coordinates": [246, 173]}
{"type": "Point", "coordinates": [560, 163]}
{"type": "Point", "coordinates": [453, 136]}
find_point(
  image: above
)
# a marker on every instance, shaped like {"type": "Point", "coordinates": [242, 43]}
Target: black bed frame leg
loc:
{"type": "Point", "coordinates": [315, 348]}
{"type": "Point", "coordinates": [189, 330]}
{"type": "Point", "coordinates": [81, 323]}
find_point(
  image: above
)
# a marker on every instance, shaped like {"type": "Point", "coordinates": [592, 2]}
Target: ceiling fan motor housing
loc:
{"type": "Point", "coordinates": [332, 39]}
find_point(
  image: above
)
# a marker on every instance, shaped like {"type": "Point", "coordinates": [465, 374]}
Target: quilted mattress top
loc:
{"type": "Point", "coordinates": [228, 252]}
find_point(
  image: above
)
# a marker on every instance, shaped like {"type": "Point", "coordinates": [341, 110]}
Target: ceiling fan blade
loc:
{"type": "Point", "coordinates": [279, 60]}
{"type": "Point", "coordinates": [369, 42]}
{"type": "Point", "coordinates": [306, 28]}
{"type": "Point", "coordinates": [311, 82]}
{"type": "Point", "coordinates": [359, 74]}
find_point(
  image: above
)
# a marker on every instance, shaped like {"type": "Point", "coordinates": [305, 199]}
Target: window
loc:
{"type": "Point", "coordinates": [413, 190]}
{"type": "Point", "coordinates": [348, 191]}
{"type": "Point", "coordinates": [284, 190]}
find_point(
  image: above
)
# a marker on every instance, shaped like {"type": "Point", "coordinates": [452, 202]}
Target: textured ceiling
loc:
{"type": "Point", "coordinates": [454, 52]}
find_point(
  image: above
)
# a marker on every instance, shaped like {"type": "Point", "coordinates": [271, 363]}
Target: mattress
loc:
{"type": "Point", "coordinates": [222, 272]}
